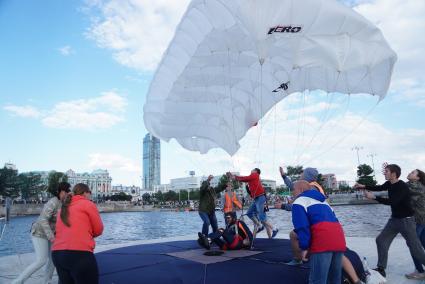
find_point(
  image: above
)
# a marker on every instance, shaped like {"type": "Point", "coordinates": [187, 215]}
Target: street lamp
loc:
{"type": "Point", "coordinates": [373, 164]}
{"type": "Point", "coordinates": [357, 148]}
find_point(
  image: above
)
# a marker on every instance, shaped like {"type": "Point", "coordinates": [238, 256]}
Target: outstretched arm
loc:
{"type": "Point", "coordinates": [286, 179]}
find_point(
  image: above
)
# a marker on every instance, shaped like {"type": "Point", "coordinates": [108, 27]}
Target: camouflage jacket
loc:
{"type": "Point", "coordinates": [417, 193]}
{"type": "Point", "coordinates": [45, 225]}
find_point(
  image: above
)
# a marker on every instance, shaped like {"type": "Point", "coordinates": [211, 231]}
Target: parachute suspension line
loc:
{"type": "Point", "coordinates": [347, 104]}
{"type": "Point", "coordinates": [305, 93]}
{"type": "Point", "coordinates": [195, 163]}
{"type": "Point", "coordinates": [324, 119]}
{"type": "Point", "coordinates": [300, 122]}
{"type": "Point", "coordinates": [274, 141]}
{"type": "Point", "coordinates": [326, 116]}
{"type": "Point", "coordinates": [326, 135]}
{"type": "Point", "coordinates": [231, 100]}
{"type": "Point", "coordinates": [260, 125]}
{"type": "Point", "coordinates": [303, 119]}
{"type": "Point", "coordinates": [346, 136]}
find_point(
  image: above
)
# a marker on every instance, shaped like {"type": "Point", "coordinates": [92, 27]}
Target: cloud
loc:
{"type": "Point", "coordinates": [114, 162]}
{"type": "Point", "coordinates": [101, 112]}
{"type": "Point", "coordinates": [66, 50]}
{"type": "Point", "coordinates": [137, 31]}
{"type": "Point", "coordinates": [402, 23]}
{"type": "Point", "coordinates": [23, 111]}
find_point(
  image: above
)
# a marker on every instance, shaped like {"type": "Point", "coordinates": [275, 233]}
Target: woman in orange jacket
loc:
{"type": "Point", "coordinates": [78, 225]}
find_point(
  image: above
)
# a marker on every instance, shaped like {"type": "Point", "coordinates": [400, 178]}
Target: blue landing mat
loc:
{"type": "Point", "coordinates": [150, 264]}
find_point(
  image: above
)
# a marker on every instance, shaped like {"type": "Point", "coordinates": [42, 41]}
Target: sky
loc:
{"type": "Point", "coordinates": [74, 77]}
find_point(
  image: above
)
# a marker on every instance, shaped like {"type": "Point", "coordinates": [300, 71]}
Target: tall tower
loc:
{"type": "Point", "coordinates": [151, 162]}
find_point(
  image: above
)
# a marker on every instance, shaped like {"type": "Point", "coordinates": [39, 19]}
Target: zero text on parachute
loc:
{"type": "Point", "coordinates": [284, 29]}
{"type": "Point", "coordinates": [283, 86]}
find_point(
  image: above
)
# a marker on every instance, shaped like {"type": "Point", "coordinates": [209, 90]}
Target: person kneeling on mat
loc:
{"type": "Point", "coordinates": [236, 235]}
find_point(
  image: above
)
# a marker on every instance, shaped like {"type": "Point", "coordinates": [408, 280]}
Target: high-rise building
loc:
{"type": "Point", "coordinates": [329, 181]}
{"type": "Point", "coordinates": [151, 162]}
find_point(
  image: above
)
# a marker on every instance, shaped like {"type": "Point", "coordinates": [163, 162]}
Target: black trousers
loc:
{"type": "Point", "coordinates": [407, 228]}
{"type": "Point", "coordinates": [76, 267]}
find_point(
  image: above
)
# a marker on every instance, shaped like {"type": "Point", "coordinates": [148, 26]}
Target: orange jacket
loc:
{"type": "Point", "coordinates": [228, 202]}
{"type": "Point", "coordinates": [318, 186]}
{"type": "Point", "coordinates": [254, 184]}
{"type": "Point", "coordinates": [85, 225]}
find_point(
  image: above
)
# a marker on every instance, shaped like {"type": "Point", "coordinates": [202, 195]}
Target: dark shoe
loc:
{"type": "Point", "coordinates": [203, 241]}
{"type": "Point", "coordinates": [381, 271]}
{"type": "Point", "coordinates": [207, 243]}
{"type": "Point", "coordinates": [275, 233]}
{"type": "Point", "coordinates": [260, 229]}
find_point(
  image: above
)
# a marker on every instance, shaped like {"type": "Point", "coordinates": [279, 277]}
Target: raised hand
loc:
{"type": "Point", "coordinates": [229, 175]}
{"type": "Point", "coordinates": [281, 171]}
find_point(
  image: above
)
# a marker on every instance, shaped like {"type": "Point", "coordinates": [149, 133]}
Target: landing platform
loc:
{"type": "Point", "coordinates": [184, 262]}
{"type": "Point", "coordinates": [112, 261]}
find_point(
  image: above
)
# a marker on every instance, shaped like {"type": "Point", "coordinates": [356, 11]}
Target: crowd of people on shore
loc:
{"type": "Point", "coordinates": [63, 235]}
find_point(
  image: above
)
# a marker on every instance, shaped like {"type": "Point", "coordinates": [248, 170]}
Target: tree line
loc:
{"type": "Point", "coordinates": [28, 186]}
{"type": "Point", "coordinates": [365, 175]}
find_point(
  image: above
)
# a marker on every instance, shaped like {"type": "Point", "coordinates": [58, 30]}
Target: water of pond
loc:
{"type": "Point", "coordinates": [357, 220]}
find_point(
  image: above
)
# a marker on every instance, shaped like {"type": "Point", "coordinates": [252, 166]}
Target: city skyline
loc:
{"type": "Point", "coordinates": [74, 77]}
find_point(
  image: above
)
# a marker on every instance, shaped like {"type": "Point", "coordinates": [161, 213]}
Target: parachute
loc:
{"type": "Point", "coordinates": [230, 62]}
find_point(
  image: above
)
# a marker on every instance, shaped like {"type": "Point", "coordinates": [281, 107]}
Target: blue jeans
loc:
{"type": "Point", "coordinates": [257, 209]}
{"type": "Point", "coordinates": [208, 219]}
{"type": "Point", "coordinates": [420, 232]}
{"type": "Point", "coordinates": [325, 268]}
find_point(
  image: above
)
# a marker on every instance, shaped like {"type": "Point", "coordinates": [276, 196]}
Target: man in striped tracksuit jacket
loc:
{"type": "Point", "coordinates": [320, 234]}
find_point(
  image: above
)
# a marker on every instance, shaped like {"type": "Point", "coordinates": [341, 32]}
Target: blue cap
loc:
{"type": "Point", "coordinates": [310, 174]}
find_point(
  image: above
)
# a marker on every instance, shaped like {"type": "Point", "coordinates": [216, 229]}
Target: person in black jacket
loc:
{"type": "Point", "coordinates": [401, 221]}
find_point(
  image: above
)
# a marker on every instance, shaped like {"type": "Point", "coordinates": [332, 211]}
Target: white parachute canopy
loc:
{"type": "Point", "coordinates": [232, 61]}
